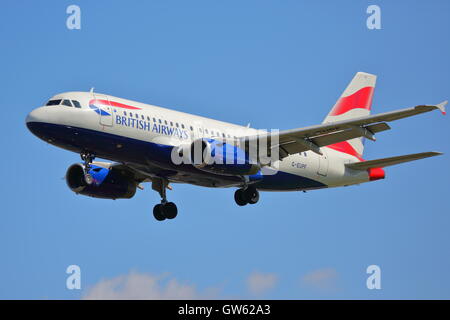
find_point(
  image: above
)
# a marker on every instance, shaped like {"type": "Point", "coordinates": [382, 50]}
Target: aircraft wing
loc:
{"type": "Point", "coordinates": [313, 137]}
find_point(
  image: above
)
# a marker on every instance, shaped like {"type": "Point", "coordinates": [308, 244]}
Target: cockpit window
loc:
{"type": "Point", "coordinates": [67, 103]}
{"type": "Point", "coordinates": [76, 104]}
{"type": "Point", "coordinates": [53, 102]}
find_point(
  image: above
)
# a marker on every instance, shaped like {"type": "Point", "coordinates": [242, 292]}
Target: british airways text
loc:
{"type": "Point", "coordinates": [147, 126]}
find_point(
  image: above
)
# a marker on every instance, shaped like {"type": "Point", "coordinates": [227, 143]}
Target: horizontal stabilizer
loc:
{"type": "Point", "coordinates": [385, 162]}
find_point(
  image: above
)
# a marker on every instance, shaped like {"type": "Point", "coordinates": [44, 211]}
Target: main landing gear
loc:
{"type": "Point", "coordinates": [249, 195]}
{"type": "Point", "coordinates": [164, 210]}
{"type": "Point", "coordinates": [87, 158]}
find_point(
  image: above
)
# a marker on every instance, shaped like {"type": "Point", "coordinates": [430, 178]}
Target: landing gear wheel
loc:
{"type": "Point", "coordinates": [164, 210]}
{"type": "Point", "coordinates": [88, 179]}
{"type": "Point", "coordinates": [240, 198]}
{"type": "Point", "coordinates": [251, 195]}
{"type": "Point", "coordinates": [158, 212]}
{"type": "Point", "coordinates": [170, 210]}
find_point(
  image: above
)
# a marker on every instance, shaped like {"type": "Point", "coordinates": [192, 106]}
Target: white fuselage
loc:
{"type": "Point", "coordinates": [134, 133]}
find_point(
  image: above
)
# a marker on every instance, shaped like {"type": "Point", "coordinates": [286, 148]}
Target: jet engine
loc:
{"type": "Point", "coordinates": [107, 182]}
{"type": "Point", "coordinates": [221, 158]}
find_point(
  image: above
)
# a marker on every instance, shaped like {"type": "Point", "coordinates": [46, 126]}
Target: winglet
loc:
{"type": "Point", "coordinates": [441, 106]}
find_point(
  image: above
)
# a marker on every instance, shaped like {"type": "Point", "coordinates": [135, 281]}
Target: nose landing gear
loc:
{"type": "Point", "coordinates": [249, 195]}
{"type": "Point", "coordinates": [164, 210]}
{"type": "Point", "coordinates": [87, 158]}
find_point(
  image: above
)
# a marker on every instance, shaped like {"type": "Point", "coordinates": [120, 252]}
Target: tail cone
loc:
{"type": "Point", "coordinates": [376, 174]}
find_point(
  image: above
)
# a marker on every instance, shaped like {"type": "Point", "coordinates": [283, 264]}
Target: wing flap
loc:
{"type": "Point", "coordinates": [327, 139]}
{"type": "Point", "coordinates": [385, 162]}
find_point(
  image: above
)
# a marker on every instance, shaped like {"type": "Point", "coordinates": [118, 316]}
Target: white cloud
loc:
{"type": "Point", "coordinates": [144, 286]}
{"type": "Point", "coordinates": [321, 279]}
{"type": "Point", "coordinates": [259, 283]}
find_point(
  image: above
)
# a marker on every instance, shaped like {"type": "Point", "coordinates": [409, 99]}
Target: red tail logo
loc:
{"type": "Point", "coordinates": [361, 99]}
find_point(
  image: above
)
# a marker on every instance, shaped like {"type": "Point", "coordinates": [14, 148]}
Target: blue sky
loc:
{"type": "Point", "coordinates": [276, 64]}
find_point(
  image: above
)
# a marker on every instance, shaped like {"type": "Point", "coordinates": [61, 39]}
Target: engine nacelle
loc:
{"type": "Point", "coordinates": [221, 158]}
{"type": "Point", "coordinates": [109, 183]}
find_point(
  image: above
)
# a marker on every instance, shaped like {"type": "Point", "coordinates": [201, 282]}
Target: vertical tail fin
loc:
{"type": "Point", "coordinates": [355, 101]}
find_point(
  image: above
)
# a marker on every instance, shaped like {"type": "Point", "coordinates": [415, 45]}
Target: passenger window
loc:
{"type": "Point", "coordinates": [124, 113]}
{"type": "Point", "coordinates": [76, 104]}
{"type": "Point", "coordinates": [182, 126]}
{"type": "Point", "coordinates": [171, 123]}
{"type": "Point", "coordinates": [177, 124]}
{"type": "Point", "coordinates": [206, 130]}
{"type": "Point", "coordinates": [192, 129]}
{"type": "Point", "coordinates": [53, 102]}
{"type": "Point", "coordinates": [154, 119]}
{"type": "Point", "coordinates": [137, 116]}
{"type": "Point", "coordinates": [148, 118]}
{"type": "Point", "coordinates": [159, 120]}
{"type": "Point", "coordinates": [165, 122]}
{"type": "Point", "coordinates": [66, 103]}
{"type": "Point", "coordinates": [131, 114]}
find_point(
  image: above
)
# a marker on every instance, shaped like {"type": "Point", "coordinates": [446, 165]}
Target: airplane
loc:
{"type": "Point", "coordinates": [141, 141]}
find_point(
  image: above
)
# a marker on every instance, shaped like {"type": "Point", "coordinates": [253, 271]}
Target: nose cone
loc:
{"type": "Point", "coordinates": [36, 120]}
{"type": "Point", "coordinates": [37, 115]}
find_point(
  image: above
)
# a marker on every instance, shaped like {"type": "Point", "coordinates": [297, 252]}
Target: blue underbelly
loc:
{"type": "Point", "coordinates": [129, 150]}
